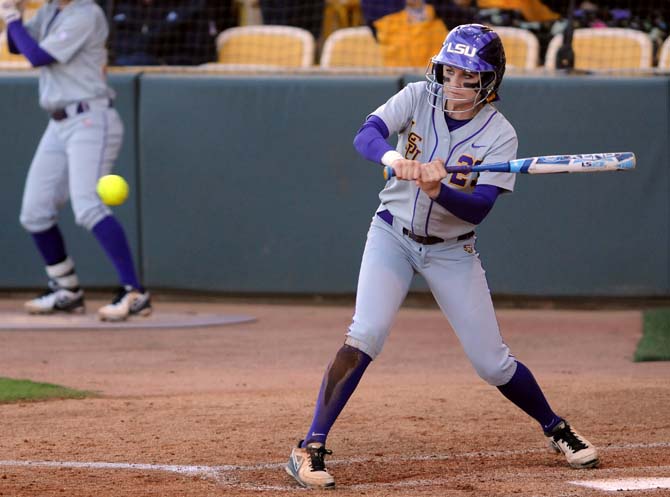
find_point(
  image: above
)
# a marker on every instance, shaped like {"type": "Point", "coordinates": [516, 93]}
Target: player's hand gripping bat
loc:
{"type": "Point", "coordinates": [549, 164]}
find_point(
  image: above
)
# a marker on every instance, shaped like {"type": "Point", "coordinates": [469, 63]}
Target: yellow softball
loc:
{"type": "Point", "coordinates": [112, 189]}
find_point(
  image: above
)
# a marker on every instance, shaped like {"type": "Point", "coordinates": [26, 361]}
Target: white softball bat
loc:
{"type": "Point", "coordinates": [549, 164]}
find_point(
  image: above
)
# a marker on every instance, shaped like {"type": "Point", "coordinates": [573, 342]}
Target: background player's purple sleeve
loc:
{"type": "Point", "coordinates": [370, 141]}
{"type": "Point", "coordinates": [25, 44]}
{"type": "Point", "coordinates": [11, 46]}
{"type": "Point", "coordinates": [471, 207]}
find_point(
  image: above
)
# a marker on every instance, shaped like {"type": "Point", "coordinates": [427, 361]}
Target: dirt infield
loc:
{"type": "Point", "coordinates": [214, 411]}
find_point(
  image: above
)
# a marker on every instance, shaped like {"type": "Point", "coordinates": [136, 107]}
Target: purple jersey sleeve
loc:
{"type": "Point", "coordinates": [11, 46]}
{"type": "Point", "coordinates": [471, 207]}
{"type": "Point", "coordinates": [370, 141]}
{"type": "Point", "coordinates": [24, 43]}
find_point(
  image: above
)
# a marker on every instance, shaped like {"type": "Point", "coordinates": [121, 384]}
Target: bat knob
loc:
{"type": "Point", "coordinates": [388, 173]}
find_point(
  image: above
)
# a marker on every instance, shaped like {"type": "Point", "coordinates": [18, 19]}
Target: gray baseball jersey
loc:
{"type": "Point", "coordinates": [423, 136]}
{"type": "Point", "coordinates": [76, 38]}
{"type": "Point", "coordinates": [451, 268]}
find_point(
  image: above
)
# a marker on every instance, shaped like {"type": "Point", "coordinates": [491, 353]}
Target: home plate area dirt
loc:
{"type": "Point", "coordinates": [215, 410]}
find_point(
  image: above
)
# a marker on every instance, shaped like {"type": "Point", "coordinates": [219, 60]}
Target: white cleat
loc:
{"type": "Point", "coordinates": [308, 468]}
{"type": "Point", "coordinates": [577, 450]}
{"type": "Point", "coordinates": [128, 302]}
{"type": "Point", "coordinates": [57, 300]}
{"type": "Point", "coordinates": [63, 295]}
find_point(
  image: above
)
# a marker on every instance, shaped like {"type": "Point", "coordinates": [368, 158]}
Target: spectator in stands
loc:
{"type": "Point", "coordinates": [532, 15]}
{"type": "Point", "coordinates": [306, 14]}
{"type": "Point", "coordinates": [376, 9]}
{"type": "Point", "coordinates": [527, 10]}
{"type": "Point", "coordinates": [452, 12]}
{"type": "Point", "coordinates": [170, 32]}
{"type": "Point", "coordinates": [456, 12]}
{"type": "Point", "coordinates": [410, 37]}
{"type": "Point", "coordinates": [647, 16]}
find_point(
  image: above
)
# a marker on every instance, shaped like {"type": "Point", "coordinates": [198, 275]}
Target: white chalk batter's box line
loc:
{"type": "Point", "coordinates": [218, 473]}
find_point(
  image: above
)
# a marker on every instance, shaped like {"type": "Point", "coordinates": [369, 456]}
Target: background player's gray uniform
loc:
{"type": "Point", "coordinates": [73, 152]}
{"type": "Point", "coordinates": [452, 269]}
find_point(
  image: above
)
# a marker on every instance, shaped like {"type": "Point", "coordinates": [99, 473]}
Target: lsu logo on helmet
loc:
{"type": "Point", "coordinates": [470, 47]}
{"type": "Point", "coordinates": [461, 49]}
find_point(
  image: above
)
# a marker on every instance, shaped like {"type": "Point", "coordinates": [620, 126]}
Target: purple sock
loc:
{"type": "Point", "coordinates": [524, 391]}
{"type": "Point", "coordinates": [51, 245]}
{"type": "Point", "coordinates": [338, 384]}
{"type": "Point", "coordinates": [111, 236]}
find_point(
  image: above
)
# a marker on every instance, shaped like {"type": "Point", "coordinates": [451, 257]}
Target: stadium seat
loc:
{"type": "Point", "coordinates": [605, 48]}
{"type": "Point", "coordinates": [272, 46]}
{"type": "Point", "coordinates": [522, 49]}
{"type": "Point", "coordinates": [351, 47]}
{"type": "Point", "coordinates": [664, 56]}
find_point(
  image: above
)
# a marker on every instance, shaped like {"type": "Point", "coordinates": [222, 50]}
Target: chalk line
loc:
{"type": "Point", "coordinates": [218, 473]}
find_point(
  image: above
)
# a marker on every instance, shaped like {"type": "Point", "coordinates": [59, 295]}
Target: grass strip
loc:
{"type": "Point", "coordinates": [25, 390]}
{"type": "Point", "coordinates": [655, 342]}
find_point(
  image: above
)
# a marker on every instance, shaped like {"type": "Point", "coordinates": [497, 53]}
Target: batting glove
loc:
{"type": "Point", "coordinates": [8, 11]}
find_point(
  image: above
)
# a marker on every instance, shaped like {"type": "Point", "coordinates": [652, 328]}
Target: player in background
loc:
{"type": "Point", "coordinates": [66, 40]}
{"type": "Point", "coordinates": [425, 224]}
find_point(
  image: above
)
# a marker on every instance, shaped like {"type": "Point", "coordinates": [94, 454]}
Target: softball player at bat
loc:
{"type": "Point", "coordinates": [66, 40]}
{"type": "Point", "coordinates": [425, 224]}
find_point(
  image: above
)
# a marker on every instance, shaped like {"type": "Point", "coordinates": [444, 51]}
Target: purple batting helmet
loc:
{"type": "Point", "coordinates": [470, 47]}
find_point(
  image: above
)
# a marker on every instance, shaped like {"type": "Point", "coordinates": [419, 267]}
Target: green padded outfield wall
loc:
{"type": "Point", "coordinates": [585, 234]}
{"type": "Point", "coordinates": [23, 123]}
{"type": "Point", "coordinates": [253, 185]}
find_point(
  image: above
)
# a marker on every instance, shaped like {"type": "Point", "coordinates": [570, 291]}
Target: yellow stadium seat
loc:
{"type": "Point", "coordinates": [605, 48]}
{"type": "Point", "coordinates": [272, 46]}
{"type": "Point", "coordinates": [522, 49]}
{"type": "Point", "coordinates": [351, 47]}
{"type": "Point", "coordinates": [664, 56]}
